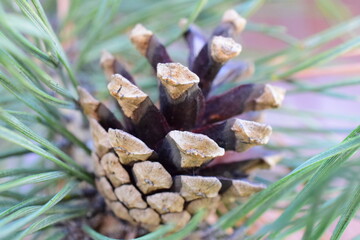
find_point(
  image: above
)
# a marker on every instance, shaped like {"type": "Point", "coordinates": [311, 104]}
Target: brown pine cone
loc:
{"type": "Point", "coordinates": [151, 169]}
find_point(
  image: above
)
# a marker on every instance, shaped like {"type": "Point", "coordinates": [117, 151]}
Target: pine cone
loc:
{"type": "Point", "coordinates": [152, 169]}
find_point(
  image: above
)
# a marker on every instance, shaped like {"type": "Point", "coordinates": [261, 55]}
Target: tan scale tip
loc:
{"type": "Point", "coordinates": [151, 176]}
{"type": "Point", "coordinates": [88, 103]}
{"type": "Point", "coordinates": [241, 188]}
{"type": "Point", "coordinates": [100, 138]}
{"type": "Point", "coordinates": [272, 97]}
{"type": "Point", "coordinates": [233, 17]}
{"type": "Point", "coordinates": [249, 134]}
{"type": "Point", "coordinates": [140, 37]}
{"type": "Point", "coordinates": [165, 202]}
{"type": "Point", "coordinates": [176, 78]}
{"type": "Point", "coordinates": [195, 149]}
{"type": "Point", "coordinates": [196, 187]}
{"type": "Point", "coordinates": [106, 59]}
{"type": "Point", "coordinates": [272, 160]}
{"type": "Point", "coordinates": [127, 94]}
{"type": "Point", "coordinates": [129, 148]}
{"type": "Point", "coordinates": [223, 49]}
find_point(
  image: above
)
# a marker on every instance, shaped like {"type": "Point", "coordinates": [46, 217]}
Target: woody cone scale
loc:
{"type": "Point", "coordinates": [152, 168]}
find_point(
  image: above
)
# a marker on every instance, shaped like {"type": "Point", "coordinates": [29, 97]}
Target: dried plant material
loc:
{"type": "Point", "coordinates": [233, 71]}
{"type": "Point", "coordinates": [189, 150]}
{"type": "Point", "coordinates": [232, 190]}
{"type": "Point", "coordinates": [145, 216]}
{"type": "Point", "coordinates": [178, 219]}
{"type": "Point", "coordinates": [140, 37]}
{"type": "Point", "coordinates": [100, 138]}
{"type": "Point", "coordinates": [176, 78]}
{"type": "Point", "coordinates": [88, 103]}
{"type": "Point", "coordinates": [114, 170]}
{"type": "Point", "coordinates": [242, 168]}
{"type": "Point", "coordinates": [265, 162]}
{"type": "Point", "coordinates": [223, 49]}
{"type": "Point", "coordinates": [194, 38]}
{"type": "Point", "coordinates": [97, 110]}
{"type": "Point", "coordinates": [211, 58]}
{"type": "Point", "coordinates": [182, 101]}
{"type": "Point", "coordinates": [267, 97]}
{"type": "Point", "coordinates": [185, 132]}
{"type": "Point", "coordinates": [231, 25]}
{"type": "Point", "coordinates": [234, 18]}
{"type": "Point", "coordinates": [127, 94]}
{"type": "Point", "coordinates": [111, 66]}
{"type": "Point", "coordinates": [129, 148]}
{"type": "Point", "coordinates": [209, 204]}
{"type": "Point", "coordinates": [271, 160]}
{"type": "Point", "coordinates": [120, 211]}
{"type": "Point", "coordinates": [237, 135]}
{"type": "Point", "coordinates": [105, 188]}
{"type": "Point", "coordinates": [107, 62]}
{"type": "Point", "coordinates": [98, 169]}
{"type": "Point", "coordinates": [149, 124]}
{"type": "Point", "coordinates": [249, 134]}
{"type": "Point", "coordinates": [166, 202]}
{"type": "Point", "coordinates": [151, 176]}
{"type": "Point", "coordinates": [249, 96]}
{"type": "Point", "coordinates": [196, 187]}
{"type": "Point", "coordinates": [149, 46]}
{"type": "Point", "coordinates": [130, 196]}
